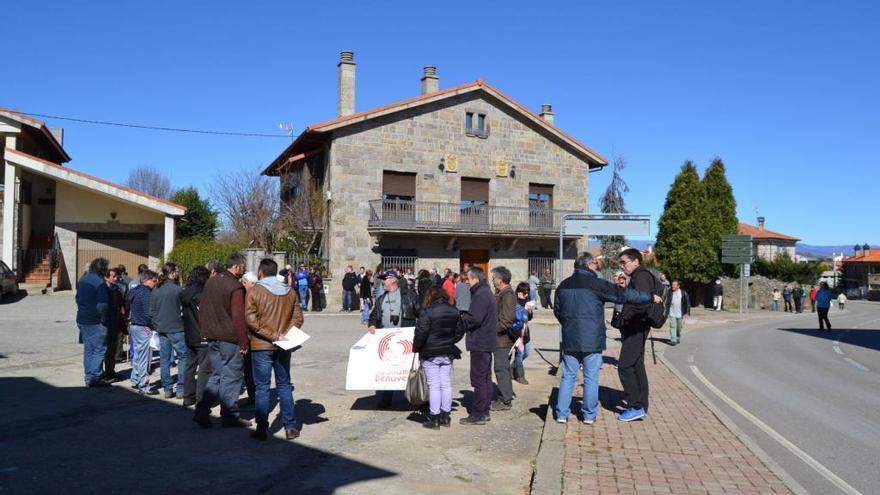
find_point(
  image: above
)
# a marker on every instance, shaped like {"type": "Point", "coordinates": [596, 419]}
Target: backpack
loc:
{"type": "Point", "coordinates": [519, 320]}
{"type": "Point", "coordinates": [657, 312]}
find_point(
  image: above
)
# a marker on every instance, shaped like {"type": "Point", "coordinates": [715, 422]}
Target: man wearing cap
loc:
{"type": "Point", "coordinates": [395, 308]}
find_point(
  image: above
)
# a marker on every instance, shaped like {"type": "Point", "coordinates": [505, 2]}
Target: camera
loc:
{"type": "Point", "coordinates": [395, 319]}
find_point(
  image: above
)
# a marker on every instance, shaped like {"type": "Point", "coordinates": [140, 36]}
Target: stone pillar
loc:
{"type": "Point", "coordinates": [168, 243]}
{"type": "Point", "coordinates": [280, 257]}
{"type": "Point", "coordinates": [346, 68]}
{"type": "Point", "coordinates": [547, 112]}
{"type": "Point", "coordinates": [10, 203]}
{"type": "Point", "coordinates": [430, 82]}
{"type": "Point", "coordinates": [67, 273]}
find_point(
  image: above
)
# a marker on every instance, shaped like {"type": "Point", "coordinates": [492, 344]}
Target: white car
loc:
{"type": "Point", "coordinates": [8, 281]}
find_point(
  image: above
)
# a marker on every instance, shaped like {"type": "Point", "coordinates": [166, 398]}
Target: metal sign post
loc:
{"type": "Point", "coordinates": [737, 250]}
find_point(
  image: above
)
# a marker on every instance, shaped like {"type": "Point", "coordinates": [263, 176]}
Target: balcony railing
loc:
{"type": "Point", "coordinates": [429, 217]}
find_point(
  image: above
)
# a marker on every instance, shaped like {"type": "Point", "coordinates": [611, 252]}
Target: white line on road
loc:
{"type": "Point", "coordinates": [856, 364]}
{"type": "Point", "coordinates": [813, 463]}
{"type": "Point", "coordinates": [837, 349]}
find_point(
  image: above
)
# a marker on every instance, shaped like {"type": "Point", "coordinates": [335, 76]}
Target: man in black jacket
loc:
{"type": "Point", "coordinates": [481, 323]}
{"type": "Point", "coordinates": [349, 282]}
{"type": "Point", "coordinates": [634, 331]}
{"type": "Point", "coordinates": [395, 308]}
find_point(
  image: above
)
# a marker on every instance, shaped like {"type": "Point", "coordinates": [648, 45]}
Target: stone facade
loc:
{"type": "Point", "coordinates": [769, 249]}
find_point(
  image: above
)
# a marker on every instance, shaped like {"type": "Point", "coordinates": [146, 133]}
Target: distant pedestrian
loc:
{"type": "Point", "coordinates": [271, 310]}
{"type": "Point", "coordinates": [634, 333]}
{"type": "Point", "coordinates": [92, 307]}
{"type": "Point", "coordinates": [775, 302]}
{"type": "Point", "coordinates": [812, 296]}
{"type": "Point", "coordinates": [579, 307]}
{"type": "Point", "coordinates": [717, 295]}
{"type": "Point", "coordinates": [524, 348]}
{"type": "Point", "coordinates": [546, 287]}
{"type": "Point", "coordinates": [424, 281]}
{"type": "Point", "coordinates": [198, 366]}
{"type": "Point", "coordinates": [803, 298]}
{"type": "Point", "coordinates": [449, 286]}
{"type": "Point", "coordinates": [140, 331]}
{"type": "Point", "coordinates": [506, 301]}
{"type": "Point", "coordinates": [787, 298]}
{"type": "Point", "coordinates": [366, 293]}
{"type": "Point", "coordinates": [165, 314]}
{"type": "Point", "coordinates": [534, 282]}
{"type": "Point", "coordinates": [462, 293]}
{"type": "Point", "coordinates": [137, 280]}
{"type": "Point", "coordinates": [678, 304]}
{"type": "Point", "coordinates": [222, 323]}
{"type": "Point", "coordinates": [301, 279]}
{"type": "Point", "coordinates": [349, 283]}
{"type": "Point", "coordinates": [797, 297]}
{"type": "Point", "coordinates": [409, 277]}
{"type": "Point", "coordinates": [823, 304]}
{"type": "Point", "coordinates": [841, 301]}
{"type": "Point", "coordinates": [480, 322]}
{"type": "Point", "coordinates": [316, 286]}
{"type": "Point", "coordinates": [663, 279]}
{"type": "Point", "coordinates": [436, 333]}
{"type": "Point", "coordinates": [116, 324]}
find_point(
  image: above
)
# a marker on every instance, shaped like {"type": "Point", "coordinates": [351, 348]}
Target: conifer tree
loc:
{"type": "Point", "coordinates": [684, 251]}
{"type": "Point", "coordinates": [612, 202]}
{"type": "Point", "coordinates": [721, 211]}
{"type": "Point", "coordinates": [200, 219]}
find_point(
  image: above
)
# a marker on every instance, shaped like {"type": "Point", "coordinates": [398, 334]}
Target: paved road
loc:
{"type": "Point", "coordinates": [809, 400]}
{"type": "Point", "coordinates": [57, 436]}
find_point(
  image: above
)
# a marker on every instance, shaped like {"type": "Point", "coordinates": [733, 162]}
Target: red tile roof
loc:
{"type": "Point", "coordinates": [37, 124]}
{"type": "Point", "coordinates": [759, 233]}
{"type": "Point", "coordinates": [872, 257]}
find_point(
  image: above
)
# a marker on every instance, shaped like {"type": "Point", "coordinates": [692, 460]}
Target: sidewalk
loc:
{"type": "Point", "coordinates": [680, 447]}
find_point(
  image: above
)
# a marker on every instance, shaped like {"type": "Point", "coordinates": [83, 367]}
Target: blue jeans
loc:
{"type": "Point", "coordinates": [139, 341]}
{"type": "Point", "coordinates": [264, 363]}
{"type": "Point", "coordinates": [438, 373]}
{"type": "Point", "coordinates": [775, 306]}
{"type": "Point", "coordinates": [521, 355]}
{"type": "Point", "coordinates": [169, 342]}
{"type": "Point", "coordinates": [224, 386]}
{"type": "Point", "coordinates": [365, 310]}
{"type": "Point", "coordinates": [347, 299]}
{"type": "Point", "coordinates": [571, 363]}
{"type": "Point", "coordinates": [304, 297]}
{"type": "Point", "coordinates": [533, 295]}
{"type": "Point", "coordinates": [94, 339]}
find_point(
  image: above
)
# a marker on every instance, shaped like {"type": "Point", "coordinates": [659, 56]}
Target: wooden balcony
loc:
{"type": "Point", "coordinates": [423, 217]}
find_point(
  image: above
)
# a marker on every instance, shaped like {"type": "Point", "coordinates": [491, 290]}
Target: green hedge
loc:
{"type": "Point", "coordinates": [190, 253]}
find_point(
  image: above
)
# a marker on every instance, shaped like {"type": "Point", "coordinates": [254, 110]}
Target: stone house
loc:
{"type": "Point", "coordinates": [768, 244]}
{"type": "Point", "coordinates": [861, 271]}
{"type": "Point", "coordinates": [55, 219]}
{"type": "Point", "coordinates": [459, 175]}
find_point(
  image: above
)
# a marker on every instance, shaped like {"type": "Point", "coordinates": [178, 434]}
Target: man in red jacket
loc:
{"type": "Point", "coordinates": [813, 291]}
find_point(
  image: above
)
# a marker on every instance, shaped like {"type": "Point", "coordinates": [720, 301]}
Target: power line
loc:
{"type": "Point", "coordinates": [154, 128]}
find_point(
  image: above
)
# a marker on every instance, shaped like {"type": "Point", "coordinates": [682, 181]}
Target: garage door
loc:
{"type": "Point", "coordinates": [126, 248]}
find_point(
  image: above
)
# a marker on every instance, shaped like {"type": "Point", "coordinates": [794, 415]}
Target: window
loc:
{"type": "Point", "coordinates": [398, 195]}
{"type": "Point", "coordinates": [541, 206]}
{"type": "Point", "coordinates": [474, 199]}
{"type": "Point", "coordinates": [291, 186]}
{"type": "Point", "coordinates": [480, 128]}
{"type": "Point", "coordinates": [400, 259]}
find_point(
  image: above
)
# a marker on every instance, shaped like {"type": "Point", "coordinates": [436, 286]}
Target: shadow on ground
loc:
{"type": "Point", "coordinates": [13, 298]}
{"type": "Point", "coordinates": [110, 440]}
{"type": "Point", "coordinates": [862, 337]}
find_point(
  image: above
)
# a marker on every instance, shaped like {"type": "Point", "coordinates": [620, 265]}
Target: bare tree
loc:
{"type": "Point", "coordinates": [249, 206]}
{"type": "Point", "coordinates": [149, 180]}
{"type": "Point", "coordinates": [612, 202]}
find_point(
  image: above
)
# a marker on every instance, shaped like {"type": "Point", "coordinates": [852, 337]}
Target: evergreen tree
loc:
{"type": "Point", "coordinates": [200, 220]}
{"type": "Point", "coordinates": [721, 212]}
{"type": "Point", "coordinates": [612, 202]}
{"type": "Point", "coordinates": [684, 251]}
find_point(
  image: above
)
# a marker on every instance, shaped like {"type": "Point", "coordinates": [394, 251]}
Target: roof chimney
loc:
{"type": "Point", "coordinates": [547, 112]}
{"type": "Point", "coordinates": [58, 134]}
{"type": "Point", "coordinates": [760, 223]}
{"type": "Point", "coordinates": [856, 250]}
{"type": "Point", "coordinates": [430, 83]}
{"type": "Point", "coordinates": [866, 249]}
{"type": "Point", "coordinates": [346, 66]}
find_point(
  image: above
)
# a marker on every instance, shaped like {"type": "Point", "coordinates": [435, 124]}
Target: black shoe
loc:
{"type": "Point", "coordinates": [236, 423]}
{"type": "Point", "coordinates": [99, 383]}
{"type": "Point", "coordinates": [432, 421]}
{"type": "Point", "coordinates": [291, 434]}
{"type": "Point", "coordinates": [444, 419]}
{"type": "Point", "coordinates": [500, 405]}
{"type": "Point", "coordinates": [169, 395]}
{"type": "Point", "coordinates": [259, 435]}
{"type": "Point", "coordinates": [188, 402]}
{"type": "Point", "coordinates": [203, 421]}
{"type": "Point", "coordinates": [152, 391]}
{"type": "Point", "coordinates": [473, 420]}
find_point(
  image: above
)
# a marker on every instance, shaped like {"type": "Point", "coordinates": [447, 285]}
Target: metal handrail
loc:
{"type": "Point", "coordinates": [427, 215]}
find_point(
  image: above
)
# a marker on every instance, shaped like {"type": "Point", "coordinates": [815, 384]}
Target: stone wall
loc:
{"type": "Point", "coordinates": [760, 292]}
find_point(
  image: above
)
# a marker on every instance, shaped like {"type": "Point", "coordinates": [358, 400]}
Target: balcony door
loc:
{"type": "Point", "coordinates": [398, 197]}
{"type": "Point", "coordinates": [541, 206]}
{"type": "Point", "coordinates": [474, 201]}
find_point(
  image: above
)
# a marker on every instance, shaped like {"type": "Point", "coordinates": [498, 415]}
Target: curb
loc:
{"type": "Point", "coordinates": [547, 475]}
{"type": "Point", "coordinates": [786, 478]}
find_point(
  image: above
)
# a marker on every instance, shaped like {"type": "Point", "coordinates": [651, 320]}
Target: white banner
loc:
{"type": "Point", "coordinates": [380, 361]}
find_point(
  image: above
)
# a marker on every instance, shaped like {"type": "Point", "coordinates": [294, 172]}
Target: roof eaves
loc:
{"type": "Point", "coordinates": [37, 124]}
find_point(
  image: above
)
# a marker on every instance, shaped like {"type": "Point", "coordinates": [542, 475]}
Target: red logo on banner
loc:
{"type": "Point", "coordinates": [391, 347]}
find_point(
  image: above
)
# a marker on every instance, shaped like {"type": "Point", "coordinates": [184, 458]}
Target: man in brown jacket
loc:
{"type": "Point", "coordinates": [222, 324]}
{"type": "Point", "coordinates": [506, 300]}
{"type": "Point", "coordinates": [271, 309]}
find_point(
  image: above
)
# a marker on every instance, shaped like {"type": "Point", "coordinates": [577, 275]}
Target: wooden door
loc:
{"type": "Point", "coordinates": [476, 257]}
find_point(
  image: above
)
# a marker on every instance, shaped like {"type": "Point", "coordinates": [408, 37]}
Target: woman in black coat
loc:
{"type": "Point", "coordinates": [423, 283]}
{"type": "Point", "coordinates": [437, 331]}
{"type": "Point", "coordinates": [366, 293]}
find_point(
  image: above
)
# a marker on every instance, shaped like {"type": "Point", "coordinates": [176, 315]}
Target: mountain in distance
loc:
{"type": "Point", "coordinates": [802, 248]}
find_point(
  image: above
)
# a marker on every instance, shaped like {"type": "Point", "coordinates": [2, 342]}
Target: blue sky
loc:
{"type": "Point", "coordinates": [784, 91]}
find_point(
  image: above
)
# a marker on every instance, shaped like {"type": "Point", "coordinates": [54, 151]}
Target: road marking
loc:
{"type": "Point", "coordinates": [813, 463]}
{"type": "Point", "coordinates": [837, 349]}
{"type": "Point", "coordinates": [691, 358]}
{"type": "Point", "coordinates": [856, 364]}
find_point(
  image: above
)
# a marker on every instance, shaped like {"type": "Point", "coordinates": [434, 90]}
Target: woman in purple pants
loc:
{"type": "Point", "coordinates": [435, 337]}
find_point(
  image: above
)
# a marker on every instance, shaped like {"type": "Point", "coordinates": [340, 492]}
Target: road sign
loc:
{"type": "Point", "coordinates": [736, 245]}
{"type": "Point", "coordinates": [636, 226]}
{"type": "Point", "coordinates": [736, 260]}
{"type": "Point", "coordinates": [736, 252]}
{"type": "Point", "coordinates": [735, 238]}
{"type": "Point", "coordinates": [747, 270]}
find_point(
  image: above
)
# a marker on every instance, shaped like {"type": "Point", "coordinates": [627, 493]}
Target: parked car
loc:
{"type": "Point", "coordinates": [8, 281]}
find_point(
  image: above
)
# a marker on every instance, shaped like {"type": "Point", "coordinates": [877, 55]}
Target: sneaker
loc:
{"type": "Point", "coordinates": [561, 420]}
{"type": "Point", "coordinates": [631, 415]}
{"type": "Point", "coordinates": [291, 434]}
{"type": "Point", "coordinates": [151, 391]}
{"type": "Point", "coordinates": [169, 394]}
{"type": "Point", "coordinates": [472, 420]}
{"type": "Point", "coordinates": [589, 421]}
{"type": "Point", "coordinates": [236, 423]}
{"type": "Point", "coordinates": [500, 405]}
{"type": "Point", "coordinates": [259, 435]}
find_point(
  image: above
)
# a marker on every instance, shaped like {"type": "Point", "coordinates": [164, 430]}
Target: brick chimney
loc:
{"type": "Point", "coordinates": [346, 66]}
{"type": "Point", "coordinates": [547, 112]}
{"type": "Point", "coordinates": [430, 82]}
{"type": "Point", "coordinates": [760, 223]}
{"type": "Point", "coordinates": [58, 134]}
{"type": "Point", "coordinates": [866, 249]}
{"type": "Point", "coordinates": [857, 250]}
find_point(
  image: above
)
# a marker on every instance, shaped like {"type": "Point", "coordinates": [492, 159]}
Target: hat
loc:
{"type": "Point", "coordinates": [387, 273]}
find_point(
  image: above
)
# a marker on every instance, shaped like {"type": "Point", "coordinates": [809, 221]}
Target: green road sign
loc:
{"type": "Point", "coordinates": [736, 252]}
{"type": "Point", "coordinates": [740, 238]}
{"type": "Point", "coordinates": [736, 260]}
{"type": "Point", "coordinates": [733, 244]}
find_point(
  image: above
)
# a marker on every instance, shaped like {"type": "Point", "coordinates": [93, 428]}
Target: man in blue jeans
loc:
{"type": "Point", "coordinates": [92, 299]}
{"type": "Point", "coordinates": [166, 315]}
{"type": "Point", "coordinates": [579, 305]}
{"type": "Point", "coordinates": [301, 279]}
{"type": "Point", "coordinates": [271, 309]}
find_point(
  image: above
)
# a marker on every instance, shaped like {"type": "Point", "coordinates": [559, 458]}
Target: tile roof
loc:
{"type": "Point", "coordinates": [759, 233]}
{"type": "Point", "coordinates": [37, 124]}
{"type": "Point", "coordinates": [872, 257]}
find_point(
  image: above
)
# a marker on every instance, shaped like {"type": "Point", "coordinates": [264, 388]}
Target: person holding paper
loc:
{"type": "Point", "coordinates": [271, 310]}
